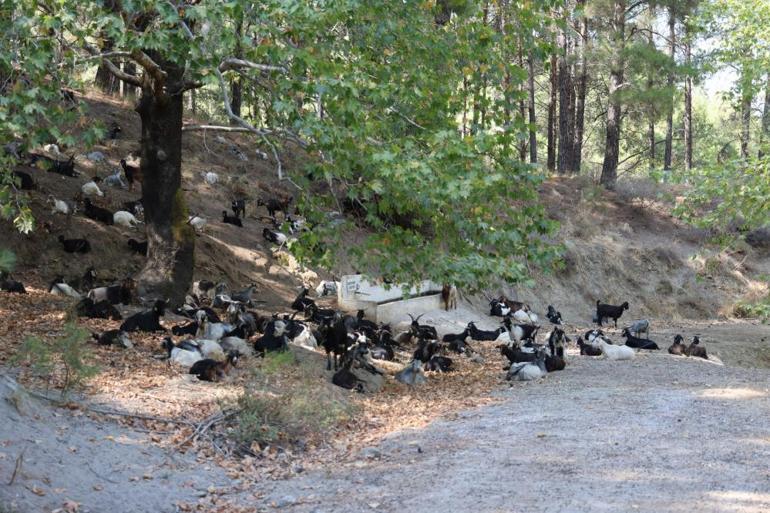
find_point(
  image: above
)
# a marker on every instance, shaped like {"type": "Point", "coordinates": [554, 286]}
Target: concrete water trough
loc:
{"type": "Point", "coordinates": [387, 305]}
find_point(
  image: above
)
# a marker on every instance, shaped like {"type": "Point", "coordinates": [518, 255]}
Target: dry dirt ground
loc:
{"type": "Point", "coordinates": [659, 433]}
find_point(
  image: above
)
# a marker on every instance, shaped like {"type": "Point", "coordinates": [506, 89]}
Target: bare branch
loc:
{"type": "Point", "coordinates": [233, 63]}
{"type": "Point", "coordinates": [215, 128]}
{"type": "Point", "coordinates": [150, 66]}
{"type": "Point", "coordinates": [122, 75]}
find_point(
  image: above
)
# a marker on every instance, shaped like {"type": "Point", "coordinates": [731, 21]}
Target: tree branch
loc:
{"type": "Point", "coordinates": [233, 63]}
{"type": "Point", "coordinates": [150, 66]}
{"type": "Point", "coordinates": [215, 128]}
{"type": "Point", "coordinates": [121, 75]}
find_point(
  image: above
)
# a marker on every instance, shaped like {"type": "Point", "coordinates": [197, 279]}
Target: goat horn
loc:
{"type": "Point", "coordinates": [418, 317]}
{"type": "Point", "coordinates": [410, 316]}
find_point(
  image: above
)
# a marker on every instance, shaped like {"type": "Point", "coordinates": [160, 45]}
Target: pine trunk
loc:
{"type": "Point", "coordinates": [612, 139]}
{"type": "Point", "coordinates": [105, 80]}
{"type": "Point", "coordinates": [532, 113]}
{"type": "Point", "coordinates": [551, 149]}
{"type": "Point", "coordinates": [764, 134]}
{"type": "Point", "coordinates": [668, 151]}
{"type": "Point", "coordinates": [688, 109]}
{"type": "Point", "coordinates": [566, 144]}
{"type": "Point", "coordinates": [580, 93]}
{"type": "Point", "coordinates": [168, 270]}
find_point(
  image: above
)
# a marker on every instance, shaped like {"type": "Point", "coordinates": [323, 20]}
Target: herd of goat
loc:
{"type": "Point", "coordinates": [91, 199]}
{"type": "Point", "coordinates": [222, 327]}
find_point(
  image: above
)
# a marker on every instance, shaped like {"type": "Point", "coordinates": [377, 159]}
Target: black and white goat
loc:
{"type": "Point", "coordinates": [482, 335]}
{"type": "Point", "coordinates": [553, 315]}
{"type": "Point", "coordinates": [148, 320]}
{"type": "Point", "coordinates": [638, 343]}
{"type": "Point", "coordinates": [75, 245]}
{"type": "Point", "coordinates": [86, 307]}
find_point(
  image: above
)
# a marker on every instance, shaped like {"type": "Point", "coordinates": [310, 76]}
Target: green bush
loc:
{"type": "Point", "coordinates": [756, 310]}
{"type": "Point", "coordinates": [70, 352]}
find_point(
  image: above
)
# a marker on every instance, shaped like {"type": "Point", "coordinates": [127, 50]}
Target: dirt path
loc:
{"type": "Point", "coordinates": [656, 434]}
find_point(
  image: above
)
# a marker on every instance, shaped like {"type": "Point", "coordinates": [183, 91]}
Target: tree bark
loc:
{"type": "Point", "coordinates": [688, 106]}
{"type": "Point", "coordinates": [168, 270]}
{"type": "Point", "coordinates": [551, 148]}
{"type": "Point", "coordinates": [236, 96]}
{"type": "Point", "coordinates": [580, 94]}
{"type": "Point", "coordinates": [522, 105]}
{"type": "Point", "coordinates": [668, 150]}
{"type": "Point", "coordinates": [652, 113]}
{"type": "Point", "coordinates": [566, 142]}
{"type": "Point", "coordinates": [612, 140]}
{"type": "Point", "coordinates": [764, 134]}
{"type": "Point", "coordinates": [105, 80]}
{"type": "Point", "coordinates": [129, 90]}
{"type": "Point", "coordinates": [532, 113]}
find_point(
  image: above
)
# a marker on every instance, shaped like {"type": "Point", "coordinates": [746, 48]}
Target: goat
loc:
{"type": "Point", "coordinates": [59, 288]}
{"type": "Point", "coordinates": [210, 177]}
{"type": "Point", "coordinates": [412, 374]}
{"type": "Point", "coordinates": [609, 311]}
{"type": "Point", "coordinates": [337, 338]}
{"type": "Point", "coordinates": [191, 328]}
{"type": "Point", "coordinates": [274, 205]}
{"type": "Point", "coordinates": [7, 284]}
{"type": "Point", "coordinates": [237, 345]}
{"type": "Point", "coordinates": [97, 213]}
{"type": "Point", "coordinates": [85, 282]}
{"type": "Point", "coordinates": [319, 315]}
{"type": "Point", "coordinates": [274, 236]}
{"type": "Point", "coordinates": [554, 362]}
{"type": "Point", "coordinates": [556, 340]}
{"type": "Point", "coordinates": [25, 181]}
{"type": "Point", "coordinates": [238, 207]}
{"type": "Point", "coordinates": [114, 293]}
{"type": "Point", "coordinates": [528, 371]}
{"type": "Point", "coordinates": [553, 315]}
{"type": "Point", "coordinates": [422, 330]}
{"type": "Point", "coordinates": [114, 338]}
{"type": "Point", "coordinates": [244, 296]}
{"type": "Point", "coordinates": [345, 377]}
{"type": "Point", "coordinates": [233, 220]}
{"type": "Point", "coordinates": [115, 179]}
{"type": "Point", "coordinates": [513, 305]}
{"type": "Point", "coordinates": [588, 349]}
{"type": "Point", "coordinates": [525, 316]}
{"type": "Point", "coordinates": [637, 327]}
{"type": "Point", "coordinates": [138, 247]}
{"type": "Point", "coordinates": [612, 352]}
{"type": "Point", "coordinates": [136, 207]}
{"type": "Point", "coordinates": [123, 218]}
{"type": "Point", "coordinates": [66, 168]}
{"type": "Point", "coordinates": [477, 334]}
{"type": "Point", "coordinates": [302, 302]}
{"type": "Point", "coordinates": [439, 363]}
{"type": "Point", "coordinates": [273, 340]}
{"type": "Point", "coordinates": [498, 309]}
{"type": "Point", "coordinates": [149, 320]}
{"type": "Point", "coordinates": [61, 206]}
{"type": "Point", "coordinates": [694, 349]}
{"type": "Point", "coordinates": [678, 347]}
{"type": "Point", "coordinates": [456, 337]}
{"type": "Point", "coordinates": [197, 222]}
{"type": "Point", "coordinates": [75, 245]}
{"type": "Point", "coordinates": [91, 188]}
{"type": "Point", "coordinates": [521, 332]}
{"type": "Point", "coordinates": [449, 297]}
{"type": "Point", "coordinates": [515, 355]}
{"type": "Point", "coordinates": [185, 355]}
{"type": "Point", "coordinates": [425, 350]}
{"type": "Point", "coordinates": [133, 173]}
{"type": "Point", "coordinates": [638, 343]}
{"type": "Point", "coordinates": [212, 370]}
{"type": "Point", "coordinates": [86, 307]}
{"type": "Point", "coordinates": [113, 131]}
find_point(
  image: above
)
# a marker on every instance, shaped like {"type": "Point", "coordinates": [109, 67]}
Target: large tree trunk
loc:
{"type": "Point", "coordinates": [522, 105]}
{"type": "Point", "coordinates": [566, 143]}
{"type": "Point", "coordinates": [764, 134]}
{"type": "Point", "coordinates": [652, 113]}
{"type": "Point", "coordinates": [532, 114]}
{"type": "Point", "coordinates": [236, 94]}
{"type": "Point", "coordinates": [612, 140]}
{"type": "Point", "coordinates": [688, 107]}
{"type": "Point", "coordinates": [551, 148]}
{"type": "Point", "coordinates": [580, 94]}
{"type": "Point", "coordinates": [747, 95]}
{"type": "Point", "coordinates": [668, 151]}
{"type": "Point", "coordinates": [168, 270]}
{"type": "Point", "coordinates": [105, 80]}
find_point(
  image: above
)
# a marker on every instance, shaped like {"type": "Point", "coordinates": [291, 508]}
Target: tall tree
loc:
{"type": "Point", "coordinates": [581, 88]}
{"type": "Point", "coordinates": [669, 144]}
{"type": "Point", "coordinates": [552, 137]}
{"type": "Point", "coordinates": [566, 100]}
{"type": "Point", "coordinates": [614, 113]}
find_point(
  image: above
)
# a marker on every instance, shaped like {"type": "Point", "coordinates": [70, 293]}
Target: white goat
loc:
{"type": "Point", "coordinates": [612, 352]}
{"type": "Point", "coordinates": [123, 218]}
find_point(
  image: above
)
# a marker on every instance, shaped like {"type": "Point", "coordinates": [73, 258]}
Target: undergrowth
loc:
{"type": "Point", "coordinates": [286, 404]}
{"type": "Point", "coordinates": [754, 310]}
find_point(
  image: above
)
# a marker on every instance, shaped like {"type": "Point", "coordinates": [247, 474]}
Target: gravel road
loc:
{"type": "Point", "coordinates": [656, 434]}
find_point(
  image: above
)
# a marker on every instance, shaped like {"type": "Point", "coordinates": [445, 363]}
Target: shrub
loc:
{"type": "Point", "coordinates": [759, 309]}
{"type": "Point", "coordinates": [70, 352]}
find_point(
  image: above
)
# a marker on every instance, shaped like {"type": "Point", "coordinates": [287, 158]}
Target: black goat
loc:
{"type": "Point", "coordinates": [604, 311]}
{"type": "Point", "coordinates": [86, 307]}
{"type": "Point", "coordinates": [302, 302]}
{"type": "Point", "coordinates": [498, 308]}
{"type": "Point", "coordinates": [274, 236]}
{"type": "Point", "coordinates": [233, 220]}
{"type": "Point", "coordinates": [319, 315]}
{"type": "Point", "coordinates": [638, 343]}
{"type": "Point", "coordinates": [113, 131]}
{"type": "Point", "coordinates": [338, 338]}
{"type": "Point", "coordinates": [24, 180]}
{"type": "Point", "coordinates": [7, 284]}
{"type": "Point", "coordinates": [425, 350]}
{"type": "Point", "coordinates": [515, 355]}
{"type": "Point", "coordinates": [148, 321]}
{"type": "Point", "coordinates": [113, 338]}
{"type": "Point", "coordinates": [191, 328]}
{"type": "Point", "coordinates": [587, 349]}
{"type": "Point", "coordinates": [678, 347]}
{"type": "Point", "coordinates": [212, 370]}
{"type": "Point", "coordinates": [274, 338]}
{"type": "Point", "coordinates": [97, 213]}
{"type": "Point", "coordinates": [75, 245]}
{"type": "Point", "coordinates": [439, 363]}
{"type": "Point", "coordinates": [138, 247]}
{"type": "Point", "coordinates": [133, 173]}
{"type": "Point", "coordinates": [694, 349]}
{"type": "Point", "coordinates": [477, 334]}
{"type": "Point", "coordinates": [135, 207]}
{"type": "Point", "coordinates": [553, 315]}
{"type": "Point", "coordinates": [383, 346]}
{"type": "Point", "coordinates": [85, 282]}
{"type": "Point", "coordinates": [422, 330]}
{"type": "Point", "coordinates": [274, 205]}
{"type": "Point", "coordinates": [64, 167]}
{"type": "Point", "coordinates": [554, 363]}
{"type": "Point", "coordinates": [238, 207]}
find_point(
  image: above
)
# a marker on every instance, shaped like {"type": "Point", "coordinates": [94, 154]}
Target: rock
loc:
{"type": "Point", "coordinates": [759, 238]}
{"type": "Point", "coordinates": [286, 500]}
{"type": "Point", "coordinates": [15, 395]}
{"type": "Point", "coordinates": [412, 374]}
{"type": "Point", "coordinates": [370, 453]}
